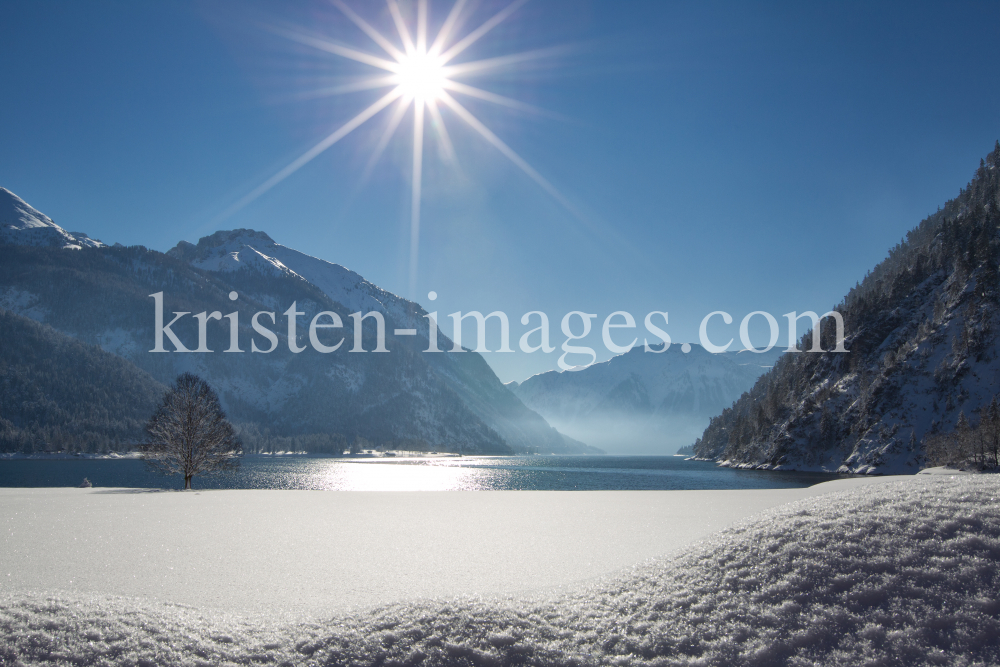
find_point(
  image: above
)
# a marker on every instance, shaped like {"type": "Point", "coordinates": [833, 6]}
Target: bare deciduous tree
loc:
{"type": "Point", "coordinates": [190, 433]}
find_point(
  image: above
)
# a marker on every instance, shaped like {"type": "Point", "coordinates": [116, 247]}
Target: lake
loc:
{"type": "Point", "coordinates": [471, 473]}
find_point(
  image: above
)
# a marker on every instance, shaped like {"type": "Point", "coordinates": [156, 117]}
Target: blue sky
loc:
{"type": "Point", "coordinates": [722, 156]}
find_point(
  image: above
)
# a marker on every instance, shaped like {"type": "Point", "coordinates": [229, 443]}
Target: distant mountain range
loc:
{"type": "Point", "coordinates": [922, 329]}
{"type": "Point", "coordinates": [95, 299]}
{"type": "Point", "coordinates": [644, 402]}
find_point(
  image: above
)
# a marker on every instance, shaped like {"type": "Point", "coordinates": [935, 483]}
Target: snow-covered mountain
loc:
{"type": "Point", "coordinates": [644, 402]}
{"type": "Point", "coordinates": [242, 252]}
{"type": "Point", "coordinates": [321, 402]}
{"type": "Point", "coordinates": [22, 224]}
{"type": "Point", "coordinates": [923, 334]}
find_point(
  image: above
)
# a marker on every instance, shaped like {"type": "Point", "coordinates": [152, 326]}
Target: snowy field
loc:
{"type": "Point", "coordinates": [853, 572]}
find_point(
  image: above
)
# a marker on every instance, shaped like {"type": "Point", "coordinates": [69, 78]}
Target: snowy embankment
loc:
{"type": "Point", "coordinates": [899, 572]}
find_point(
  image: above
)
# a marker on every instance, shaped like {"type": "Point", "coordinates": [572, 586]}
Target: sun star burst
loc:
{"type": "Point", "coordinates": [421, 75]}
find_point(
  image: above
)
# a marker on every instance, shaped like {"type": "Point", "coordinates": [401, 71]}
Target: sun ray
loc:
{"type": "Point", "coordinates": [354, 87]}
{"type": "Point", "coordinates": [368, 30]}
{"type": "Point", "coordinates": [337, 49]}
{"type": "Point", "coordinates": [308, 156]}
{"type": "Point", "coordinates": [418, 163]}
{"type": "Point", "coordinates": [477, 66]}
{"type": "Point", "coordinates": [421, 26]}
{"type": "Point", "coordinates": [474, 36]}
{"type": "Point", "coordinates": [498, 143]}
{"type": "Point", "coordinates": [472, 91]}
{"type": "Point", "coordinates": [390, 129]}
{"type": "Point", "coordinates": [404, 32]}
{"type": "Point", "coordinates": [447, 148]}
{"type": "Point", "coordinates": [445, 32]}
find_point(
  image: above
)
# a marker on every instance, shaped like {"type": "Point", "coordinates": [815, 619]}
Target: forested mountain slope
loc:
{"type": "Point", "coordinates": [922, 334]}
{"type": "Point", "coordinates": [59, 393]}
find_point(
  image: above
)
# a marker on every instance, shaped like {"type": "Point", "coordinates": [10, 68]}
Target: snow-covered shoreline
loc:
{"type": "Point", "coordinates": [862, 570]}
{"type": "Point", "coordinates": [66, 456]}
{"type": "Point", "coordinates": [112, 456]}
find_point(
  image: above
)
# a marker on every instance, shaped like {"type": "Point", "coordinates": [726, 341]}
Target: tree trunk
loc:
{"type": "Point", "coordinates": [187, 482]}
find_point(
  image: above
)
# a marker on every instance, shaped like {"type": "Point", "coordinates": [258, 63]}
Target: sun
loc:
{"type": "Point", "coordinates": [423, 75]}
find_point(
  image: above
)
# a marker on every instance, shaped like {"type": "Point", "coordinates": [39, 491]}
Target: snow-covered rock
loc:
{"type": "Point", "coordinates": [85, 241]}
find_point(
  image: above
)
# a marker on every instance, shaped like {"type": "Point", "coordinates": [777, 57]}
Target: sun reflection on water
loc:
{"type": "Point", "coordinates": [398, 476]}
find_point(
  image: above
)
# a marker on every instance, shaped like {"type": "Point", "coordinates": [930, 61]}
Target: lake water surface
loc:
{"type": "Point", "coordinates": [472, 473]}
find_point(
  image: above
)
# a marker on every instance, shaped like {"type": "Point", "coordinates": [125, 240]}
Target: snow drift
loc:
{"type": "Point", "coordinates": [900, 573]}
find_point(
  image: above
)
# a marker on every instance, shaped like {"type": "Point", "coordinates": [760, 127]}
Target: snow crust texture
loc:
{"type": "Point", "coordinates": [901, 573]}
